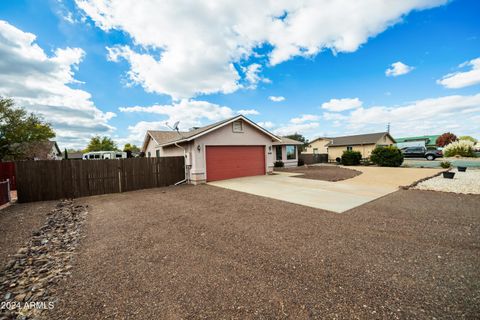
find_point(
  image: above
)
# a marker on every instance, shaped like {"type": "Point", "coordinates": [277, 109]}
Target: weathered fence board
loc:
{"type": "Point", "coordinates": [52, 180]}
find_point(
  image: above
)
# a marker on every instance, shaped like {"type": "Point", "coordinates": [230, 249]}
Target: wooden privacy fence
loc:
{"type": "Point", "coordinates": [52, 180]}
{"type": "Point", "coordinates": [4, 192]}
{"type": "Point", "coordinates": [309, 158]}
{"type": "Point", "coordinates": [7, 171]}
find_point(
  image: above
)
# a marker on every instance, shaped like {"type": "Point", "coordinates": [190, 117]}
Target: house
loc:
{"type": "Point", "coordinates": [75, 155]}
{"type": "Point", "coordinates": [364, 143]}
{"type": "Point", "coordinates": [318, 146]}
{"type": "Point", "coordinates": [235, 147]}
{"type": "Point", "coordinates": [41, 150]}
{"type": "Point", "coordinates": [430, 142]}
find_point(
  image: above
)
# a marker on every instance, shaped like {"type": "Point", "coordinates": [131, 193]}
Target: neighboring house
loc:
{"type": "Point", "coordinates": [75, 155]}
{"type": "Point", "coordinates": [420, 141]}
{"type": "Point", "coordinates": [235, 147]}
{"type": "Point", "coordinates": [41, 150]}
{"type": "Point", "coordinates": [318, 146]}
{"type": "Point", "coordinates": [365, 143]}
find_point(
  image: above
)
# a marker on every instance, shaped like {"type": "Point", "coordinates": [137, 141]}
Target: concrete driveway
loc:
{"type": "Point", "coordinates": [340, 196]}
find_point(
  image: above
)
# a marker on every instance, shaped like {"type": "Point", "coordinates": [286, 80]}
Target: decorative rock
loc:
{"type": "Point", "coordinates": [44, 261]}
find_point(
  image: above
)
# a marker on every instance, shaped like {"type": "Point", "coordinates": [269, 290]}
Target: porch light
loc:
{"type": "Point", "coordinates": [198, 148]}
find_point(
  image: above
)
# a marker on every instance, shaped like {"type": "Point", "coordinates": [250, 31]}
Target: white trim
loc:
{"type": "Point", "coordinates": [220, 126]}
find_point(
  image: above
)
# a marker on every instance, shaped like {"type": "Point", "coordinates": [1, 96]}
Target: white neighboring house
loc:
{"type": "Point", "coordinates": [232, 148]}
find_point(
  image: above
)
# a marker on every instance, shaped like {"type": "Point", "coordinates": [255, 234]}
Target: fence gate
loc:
{"type": "Point", "coordinates": [4, 192]}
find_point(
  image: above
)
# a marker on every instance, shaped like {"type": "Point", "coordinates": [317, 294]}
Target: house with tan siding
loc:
{"type": "Point", "coordinates": [318, 146]}
{"type": "Point", "coordinates": [364, 143]}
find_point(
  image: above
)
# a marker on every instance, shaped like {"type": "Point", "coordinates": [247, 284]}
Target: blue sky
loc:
{"type": "Point", "coordinates": [118, 70]}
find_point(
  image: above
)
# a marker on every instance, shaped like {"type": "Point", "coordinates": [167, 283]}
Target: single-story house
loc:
{"type": "Point", "coordinates": [318, 146]}
{"type": "Point", "coordinates": [235, 147]}
{"type": "Point", "coordinates": [39, 150]}
{"type": "Point", "coordinates": [365, 143]}
{"type": "Point", "coordinates": [420, 141]}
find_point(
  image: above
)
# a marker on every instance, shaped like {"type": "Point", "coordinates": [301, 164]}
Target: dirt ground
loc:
{"type": "Point", "coordinates": [207, 252]}
{"type": "Point", "coordinates": [326, 173]}
{"type": "Point", "coordinates": [17, 222]}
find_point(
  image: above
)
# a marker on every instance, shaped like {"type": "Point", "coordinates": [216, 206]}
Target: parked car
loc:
{"type": "Point", "coordinates": [421, 152]}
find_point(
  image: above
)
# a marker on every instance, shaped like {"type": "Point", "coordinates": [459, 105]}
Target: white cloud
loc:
{"type": "Point", "coordinates": [190, 113]}
{"type": "Point", "coordinates": [427, 116]}
{"type": "Point", "coordinates": [40, 83]}
{"type": "Point", "coordinates": [186, 48]}
{"type": "Point", "coordinates": [252, 76]}
{"type": "Point", "coordinates": [463, 79]}
{"type": "Point", "coordinates": [266, 124]}
{"type": "Point", "coordinates": [276, 98]}
{"type": "Point", "coordinates": [304, 118]}
{"type": "Point", "coordinates": [339, 105]}
{"type": "Point", "coordinates": [302, 128]}
{"type": "Point", "coordinates": [247, 112]}
{"type": "Point", "coordinates": [397, 69]}
{"type": "Point", "coordinates": [333, 116]}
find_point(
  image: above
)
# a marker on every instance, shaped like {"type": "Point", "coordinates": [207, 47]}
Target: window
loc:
{"type": "Point", "coordinates": [291, 152]}
{"type": "Point", "coordinates": [278, 152]}
{"type": "Point", "coordinates": [315, 150]}
{"type": "Point", "coordinates": [149, 154]}
{"type": "Point", "coordinates": [349, 148]}
{"type": "Point", "coordinates": [118, 155]}
{"type": "Point", "coordinates": [238, 126]}
{"type": "Point", "coordinates": [157, 153]}
{"type": "Point", "coordinates": [96, 156]}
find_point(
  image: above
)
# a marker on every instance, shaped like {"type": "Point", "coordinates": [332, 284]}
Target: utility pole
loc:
{"type": "Point", "coordinates": [388, 127]}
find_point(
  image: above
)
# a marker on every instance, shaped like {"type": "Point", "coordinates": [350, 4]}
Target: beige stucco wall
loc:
{"type": "Point", "coordinates": [320, 144]}
{"type": "Point", "coordinates": [225, 136]}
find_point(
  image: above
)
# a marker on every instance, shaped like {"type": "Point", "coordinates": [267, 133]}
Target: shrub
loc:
{"type": "Point", "coordinates": [445, 164]}
{"type": "Point", "coordinates": [351, 158]}
{"type": "Point", "coordinates": [278, 164]}
{"type": "Point", "coordinates": [463, 148]}
{"type": "Point", "coordinates": [388, 156]}
{"type": "Point", "coordinates": [445, 139]}
{"type": "Point", "coordinates": [301, 163]}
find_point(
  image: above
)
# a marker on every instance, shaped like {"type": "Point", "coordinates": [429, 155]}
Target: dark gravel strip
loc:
{"type": "Point", "coordinates": [326, 173]}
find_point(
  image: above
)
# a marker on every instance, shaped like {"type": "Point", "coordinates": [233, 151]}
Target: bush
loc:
{"type": "Point", "coordinates": [301, 163]}
{"type": "Point", "coordinates": [278, 164]}
{"type": "Point", "coordinates": [463, 148]}
{"type": "Point", "coordinates": [388, 156]}
{"type": "Point", "coordinates": [351, 158]}
{"type": "Point", "coordinates": [445, 164]}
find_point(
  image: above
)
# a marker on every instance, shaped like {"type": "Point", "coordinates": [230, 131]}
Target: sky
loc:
{"type": "Point", "coordinates": [315, 67]}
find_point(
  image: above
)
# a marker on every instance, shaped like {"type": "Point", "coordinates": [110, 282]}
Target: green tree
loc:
{"type": "Point", "coordinates": [18, 128]}
{"type": "Point", "coordinates": [301, 138]}
{"type": "Point", "coordinates": [130, 147]}
{"type": "Point", "coordinates": [469, 138]}
{"type": "Point", "coordinates": [98, 143]}
{"type": "Point", "coordinates": [65, 156]}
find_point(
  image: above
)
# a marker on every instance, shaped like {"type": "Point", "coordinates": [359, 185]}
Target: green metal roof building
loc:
{"type": "Point", "coordinates": [430, 141]}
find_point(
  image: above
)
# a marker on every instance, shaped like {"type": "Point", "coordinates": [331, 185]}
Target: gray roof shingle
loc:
{"type": "Point", "coordinates": [369, 138]}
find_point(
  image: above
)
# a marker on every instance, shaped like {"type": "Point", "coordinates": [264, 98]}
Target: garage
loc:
{"type": "Point", "coordinates": [227, 162]}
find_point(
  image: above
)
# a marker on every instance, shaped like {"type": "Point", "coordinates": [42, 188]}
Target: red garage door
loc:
{"type": "Point", "coordinates": [226, 162]}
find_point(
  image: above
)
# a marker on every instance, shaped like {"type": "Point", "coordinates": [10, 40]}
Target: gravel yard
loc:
{"type": "Point", "coordinates": [17, 222]}
{"type": "Point", "coordinates": [464, 182]}
{"type": "Point", "coordinates": [207, 252]}
{"type": "Point", "coordinates": [325, 172]}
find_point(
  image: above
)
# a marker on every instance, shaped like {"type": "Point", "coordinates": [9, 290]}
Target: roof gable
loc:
{"type": "Point", "coordinates": [165, 138]}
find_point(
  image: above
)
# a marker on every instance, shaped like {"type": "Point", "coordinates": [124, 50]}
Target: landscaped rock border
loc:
{"type": "Point", "coordinates": [414, 184]}
{"type": "Point", "coordinates": [27, 281]}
